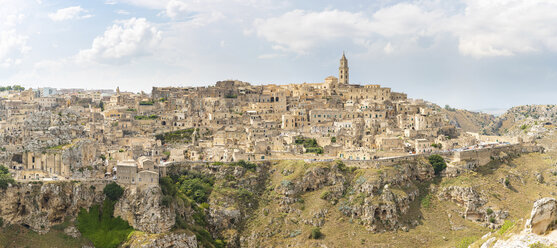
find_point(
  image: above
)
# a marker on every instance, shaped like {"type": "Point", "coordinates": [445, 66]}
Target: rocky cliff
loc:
{"type": "Point", "coordinates": [141, 208]}
{"type": "Point", "coordinates": [540, 229]}
{"type": "Point", "coordinates": [41, 205]}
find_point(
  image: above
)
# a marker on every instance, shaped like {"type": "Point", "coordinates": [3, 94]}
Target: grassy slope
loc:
{"type": "Point", "coordinates": [469, 121]}
{"type": "Point", "coordinates": [19, 236]}
{"type": "Point", "coordinates": [440, 223]}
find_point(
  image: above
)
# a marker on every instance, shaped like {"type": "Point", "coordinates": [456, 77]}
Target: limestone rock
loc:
{"type": "Point", "coordinates": [543, 215]}
{"type": "Point", "coordinates": [466, 197]}
{"type": "Point", "coordinates": [141, 207]}
{"type": "Point", "coordinates": [489, 242]}
{"type": "Point", "coordinates": [39, 206]}
{"type": "Point", "coordinates": [72, 232]}
{"type": "Point", "coordinates": [165, 240]}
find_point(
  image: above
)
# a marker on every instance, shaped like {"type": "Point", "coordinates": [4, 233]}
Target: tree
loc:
{"type": "Point", "coordinates": [316, 233]}
{"type": "Point", "coordinates": [438, 163]}
{"type": "Point", "coordinates": [113, 191]}
{"type": "Point", "coordinates": [101, 105]}
{"type": "Point", "coordinates": [5, 177]}
{"type": "Point", "coordinates": [3, 170]}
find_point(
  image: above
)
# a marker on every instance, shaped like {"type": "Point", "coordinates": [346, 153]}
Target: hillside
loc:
{"type": "Point", "coordinates": [468, 121]}
{"type": "Point", "coordinates": [326, 204]}
{"type": "Point", "coordinates": [525, 121]}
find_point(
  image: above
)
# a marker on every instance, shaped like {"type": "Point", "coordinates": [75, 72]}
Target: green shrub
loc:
{"type": "Point", "coordinates": [316, 233]}
{"type": "Point", "coordinates": [489, 211]}
{"type": "Point", "coordinates": [219, 243]}
{"type": "Point", "coordinates": [184, 135]}
{"type": "Point", "coordinates": [166, 200]}
{"type": "Point", "coordinates": [101, 227]}
{"type": "Point", "coordinates": [1, 222]}
{"type": "Point", "coordinates": [426, 201]}
{"type": "Point", "coordinates": [113, 191]}
{"type": "Point", "coordinates": [146, 117]}
{"type": "Point", "coordinates": [6, 180]}
{"type": "Point", "coordinates": [325, 195]}
{"type": "Point", "coordinates": [246, 165]}
{"type": "Point", "coordinates": [196, 186]}
{"type": "Point", "coordinates": [465, 242]}
{"type": "Point", "coordinates": [492, 219]}
{"type": "Point", "coordinates": [4, 170]}
{"type": "Point", "coordinates": [538, 245]}
{"type": "Point", "coordinates": [505, 227]}
{"type": "Point", "coordinates": [341, 166]}
{"type": "Point", "coordinates": [438, 163]}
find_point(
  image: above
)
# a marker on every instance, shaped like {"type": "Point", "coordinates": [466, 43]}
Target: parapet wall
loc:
{"type": "Point", "coordinates": [484, 155]}
{"type": "Point", "coordinates": [478, 157]}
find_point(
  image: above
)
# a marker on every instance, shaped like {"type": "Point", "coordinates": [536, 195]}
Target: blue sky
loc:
{"type": "Point", "coordinates": [473, 54]}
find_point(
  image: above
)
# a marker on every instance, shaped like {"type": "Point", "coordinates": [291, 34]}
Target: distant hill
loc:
{"type": "Point", "coordinates": [469, 121]}
{"type": "Point", "coordinates": [525, 120]}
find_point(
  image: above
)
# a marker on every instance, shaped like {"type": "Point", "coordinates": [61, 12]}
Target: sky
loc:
{"type": "Point", "coordinates": [473, 54]}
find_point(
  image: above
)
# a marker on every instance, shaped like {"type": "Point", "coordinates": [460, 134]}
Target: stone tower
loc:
{"type": "Point", "coordinates": [343, 70]}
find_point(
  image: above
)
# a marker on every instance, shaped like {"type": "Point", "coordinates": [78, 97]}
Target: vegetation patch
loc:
{"type": "Point", "coordinates": [178, 136]}
{"type": "Point", "coordinates": [310, 145]}
{"type": "Point", "coordinates": [247, 165]}
{"type": "Point", "coordinates": [193, 189]}
{"type": "Point", "coordinates": [146, 117]}
{"type": "Point", "coordinates": [505, 227]}
{"type": "Point", "coordinates": [316, 233]}
{"type": "Point", "coordinates": [438, 163]}
{"type": "Point", "coordinates": [5, 178]}
{"type": "Point", "coordinates": [465, 242]}
{"type": "Point", "coordinates": [113, 191]}
{"type": "Point", "coordinates": [100, 226]}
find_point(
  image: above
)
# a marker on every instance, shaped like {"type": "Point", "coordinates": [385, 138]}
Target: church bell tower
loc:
{"type": "Point", "coordinates": [343, 70]}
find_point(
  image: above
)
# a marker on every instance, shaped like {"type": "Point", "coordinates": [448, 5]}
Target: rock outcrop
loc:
{"type": "Point", "coordinates": [141, 208]}
{"type": "Point", "coordinates": [41, 205]}
{"type": "Point", "coordinates": [474, 205]}
{"type": "Point", "coordinates": [165, 240]}
{"type": "Point", "coordinates": [538, 230]}
{"type": "Point", "coordinates": [543, 216]}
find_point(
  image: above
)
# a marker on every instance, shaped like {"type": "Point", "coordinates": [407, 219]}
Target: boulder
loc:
{"type": "Point", "coordinates": [543, 215]}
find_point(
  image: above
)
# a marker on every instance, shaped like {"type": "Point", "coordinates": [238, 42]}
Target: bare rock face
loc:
{"type": "Point", "coordinates": [543, 215]}
{"type": "Point", "coordinates": [141, 207]}
{"type": "Point", "coordinates": [165, 240]}
{"type": "Point", "coordinates": [72, 232]}
{"type": "Point", "coordinates": [466, 197]}
{"type": "Point", "coordinates": [379, 202]}
{"type": "Point", "coordinates": [39, 206]}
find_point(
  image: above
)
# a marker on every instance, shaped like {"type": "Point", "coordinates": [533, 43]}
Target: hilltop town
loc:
{"type": "Point", "coordinates": [50, 134]}
{"type": "Point", "coordinates": [330, 164]}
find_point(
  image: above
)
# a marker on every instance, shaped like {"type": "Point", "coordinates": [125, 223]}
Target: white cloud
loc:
{"type": "Point", "coordinates": [122, 12]}
{"type": "Point", "coordinates": [483, 28]}
{"type": "Point", "coordinates": [176, 8]}
{"type": "Point", "coordinates": [299, 30]}
{"type": "Point", "coordinates": [506, 27]}
{"type": "Point", "coordinates": [70, 13]}
{"type": "Point", "coordinates": [12, 46]}
{"type": "Point", "coordinates": [388, 48]}
{"type": "Point", "coordinates": [122, 42]}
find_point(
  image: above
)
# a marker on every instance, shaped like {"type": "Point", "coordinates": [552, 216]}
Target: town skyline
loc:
{"type": "Point", "coordinates": [467, 54]}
